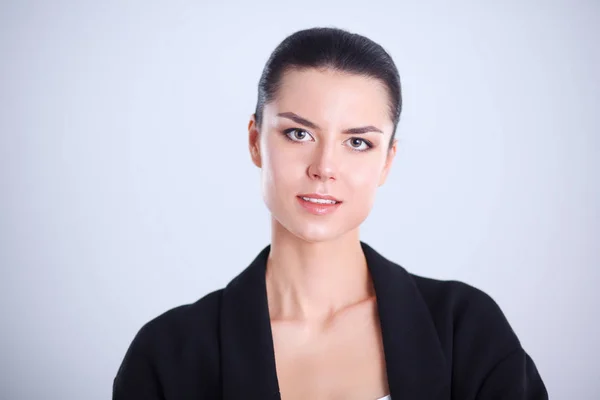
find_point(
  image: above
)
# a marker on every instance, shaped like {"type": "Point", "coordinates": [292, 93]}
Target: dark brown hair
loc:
{"type": "Point", "coordinates": [330, 48]}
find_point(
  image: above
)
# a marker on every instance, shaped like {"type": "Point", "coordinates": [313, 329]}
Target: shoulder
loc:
{"type": "Point", "coordinates": [183, 325]}
{"type": "Point", "coordinates": [472, 314]}
{"type": "Point", "coordinates": [485, 354]}
{"type": "Point", "coordinates": [172, 351]}
{"type": "Point", "coordinates": [461, 302]}
{"type": "Point", "coordinates": [198, 315]}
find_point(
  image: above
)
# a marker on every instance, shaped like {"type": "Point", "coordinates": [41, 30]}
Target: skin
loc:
{"type": "Point", "coordinates": [326, 330]}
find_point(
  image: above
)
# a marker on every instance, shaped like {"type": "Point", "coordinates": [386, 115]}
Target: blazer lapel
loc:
{"type": "Point", "coordinates": [247, 352]}
{"type": "Point", "coordinates": [415, 362]}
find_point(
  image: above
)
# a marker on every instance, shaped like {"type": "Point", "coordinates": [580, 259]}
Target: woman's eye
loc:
{"type": "Point", "coordinates": [359, 144]}
{"type": "Point", "coordinates": [298, 135]}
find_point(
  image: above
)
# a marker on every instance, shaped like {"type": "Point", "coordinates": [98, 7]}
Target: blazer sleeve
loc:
{"type": "Point", "coordinates": [514, 378]}
{"type": "Point", "coordinates": [137, 377]}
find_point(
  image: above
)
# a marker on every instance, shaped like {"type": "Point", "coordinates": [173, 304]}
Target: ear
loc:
{"type": "Point", "coordinates": [391, 154]}
{"type": "Point", "coordinates": [254, 141]}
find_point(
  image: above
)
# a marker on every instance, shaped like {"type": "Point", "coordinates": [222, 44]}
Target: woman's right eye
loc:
{"type": "Point", "coordinates": [298, 135]}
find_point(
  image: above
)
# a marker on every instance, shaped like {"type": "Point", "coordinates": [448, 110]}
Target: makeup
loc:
{"type": "Point", "coordinates": [318, 204]}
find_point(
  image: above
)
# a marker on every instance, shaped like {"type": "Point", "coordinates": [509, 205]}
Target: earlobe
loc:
{"type": "Point", "coordinates": [254, 142]}
{"type": "Point", "coordinates": [383, 177]}
{"type": "Point", "coordinates": [388, 162]}
{"type": "Point", "coordinates": [256, 159]}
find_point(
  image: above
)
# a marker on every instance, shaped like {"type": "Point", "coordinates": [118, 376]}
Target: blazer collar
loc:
{"type": "Point", "coordinates": [415, 362]}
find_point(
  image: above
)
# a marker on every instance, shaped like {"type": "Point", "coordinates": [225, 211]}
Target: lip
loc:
{"type": "Point", "coordinates": [318, 209]}
{"type": "Point", "coordinates": [319, 196]}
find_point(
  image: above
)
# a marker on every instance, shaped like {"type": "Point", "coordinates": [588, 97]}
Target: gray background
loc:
{"type": "Point", "coordinates": [126, 187]}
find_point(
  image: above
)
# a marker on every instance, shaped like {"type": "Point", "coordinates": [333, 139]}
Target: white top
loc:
{"type": "Point", "coordinates": [388, 397]}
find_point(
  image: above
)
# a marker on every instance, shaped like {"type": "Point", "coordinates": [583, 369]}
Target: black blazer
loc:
{"type": "Point", "coordinates": [442, 340]}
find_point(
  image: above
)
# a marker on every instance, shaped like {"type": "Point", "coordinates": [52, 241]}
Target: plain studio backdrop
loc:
{"type": "Point", "coordinates": [126, 187]}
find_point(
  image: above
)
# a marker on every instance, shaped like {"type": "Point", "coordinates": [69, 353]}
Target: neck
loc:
{"type": "Point", "coordinates": [314, 280]}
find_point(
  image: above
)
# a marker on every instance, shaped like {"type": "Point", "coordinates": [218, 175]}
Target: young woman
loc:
{"type": "Point", "coordinates": [319, 314]}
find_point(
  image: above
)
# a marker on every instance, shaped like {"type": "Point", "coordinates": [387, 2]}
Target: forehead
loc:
{"type": "Point", "coordinates": [331, 97]}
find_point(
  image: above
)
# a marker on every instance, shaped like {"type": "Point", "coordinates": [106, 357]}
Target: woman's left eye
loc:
{"type": "Point", "coordinates": [359, 144]}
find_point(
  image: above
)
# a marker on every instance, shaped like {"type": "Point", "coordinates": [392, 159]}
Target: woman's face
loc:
{"type": "Point", "coordinates": [325, 133]}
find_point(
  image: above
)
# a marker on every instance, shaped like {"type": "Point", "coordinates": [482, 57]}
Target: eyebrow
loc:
{"type": "Point", "coordinates": [303, 121]}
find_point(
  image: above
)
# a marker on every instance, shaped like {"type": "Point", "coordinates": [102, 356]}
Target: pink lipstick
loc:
{"type": "Point", "coordinates": [318, 204]}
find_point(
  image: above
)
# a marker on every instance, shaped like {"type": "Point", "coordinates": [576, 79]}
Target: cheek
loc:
{"type": "Point", "coordinates": [363, 179]}
{"type": "Point", "coordinates": [362, 185]}
{"type": "Point", "coordinates": [281, 170]}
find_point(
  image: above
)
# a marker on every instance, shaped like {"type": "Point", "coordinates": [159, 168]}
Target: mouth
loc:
{"type": "Point", "coordinates": [319, 198]}
{"type": "Point", "coordinates": [318, 201]}
{"type": "Point", "coordinates": [319, 204]}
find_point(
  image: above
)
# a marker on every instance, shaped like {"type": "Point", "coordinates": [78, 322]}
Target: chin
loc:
{"type": "Point", "coordinates": [312, 229]}
{"type": "Point", "coordinates": [315, 235]}
{"type": "Point", "coordinates": [312, 232]}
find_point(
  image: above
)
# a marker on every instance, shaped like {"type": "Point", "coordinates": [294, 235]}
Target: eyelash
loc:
{"type": "Point", "coordinates": [287, 132]}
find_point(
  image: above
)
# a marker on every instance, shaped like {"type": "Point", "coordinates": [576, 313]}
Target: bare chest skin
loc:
{"type": "Point", "coordinates": [340, 359]}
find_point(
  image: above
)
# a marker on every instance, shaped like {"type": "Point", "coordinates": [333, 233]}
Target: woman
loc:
{"type": "Point", "coordinates": [319, 314]}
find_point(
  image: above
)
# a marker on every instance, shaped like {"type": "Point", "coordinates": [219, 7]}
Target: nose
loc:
{"type": "Point", "coordinates": [323, 166]}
